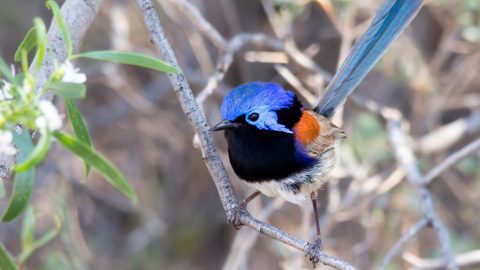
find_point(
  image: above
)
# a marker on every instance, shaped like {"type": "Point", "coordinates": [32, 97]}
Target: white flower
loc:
{"type": "Point", "coordinates": [72, 74]}
{"type": "Point", "coordinates": [6, 146]}
{"type": "Point", "coordinates": [50, 118]}
{"type": "Point", "coordinates": [41, 122]}
{"type": "Point", "coordinates": [6, 91]}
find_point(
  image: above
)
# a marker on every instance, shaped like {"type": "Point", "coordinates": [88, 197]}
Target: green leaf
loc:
{"type": "Point", "coordinates": [27, 44]}
{"type": "Point", "coordinates": [41, 34]}
{"type": "Point", "coordinates": [129, 58]}
{"type": "Point", "coordinates": [6, 260]}
{"type": "Point", "coordinates": [78, 125]}
{"type": "Point", "coordinates": [23, 182]}
{"type": "Point", "coordinates": [48, 236]}
{"type": "Point", "coordinates": [61, 26]}
{"type": "Point", "coordinates": [68, 90]}
{"type": "Point", "coordinates": [33, 244]}
{"type": "Point", "coordinates": [98, 162]}
{"type": "Point", "coordinates": [5, 70]}
{"type": "Point", "coordinates": [19, 78]}
{"type": "Point", "coordinates": [38, 153]}
{"type": "Point", "coordinates": [55, 260]}
{"type": "Point", "coordinates": [28, 229]}
{"type": "Point", "coordinates": [2, 190]}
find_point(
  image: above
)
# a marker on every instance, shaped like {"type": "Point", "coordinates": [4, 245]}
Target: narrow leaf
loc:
{"type": "Point", "coordinates": [6, 260]}
{"type": "Point", "coordinates": [41, 34]}
{"type": "Point", "coordinates": [55, 260]}
{"type": "Point", "coordinates": [47, 237]}
{"type": "Point", "coordinates": [5, 70]}
{"type": "Point", "coordinates": [28, 229]}
{"type": "Point", "coordinates": [19, 78]}
{"type": "Point", "coordinates": [61, 26]}
{"type": "Point", "coordinates": [68, 90]}
{"type": "Point", "coordinates": [78, 125]}
{"type": "Point", "coordinates": [98, 162]}
{"type": "Point", "coordinates": [23, 182]}
{"type": "Point", "coordinates": [2, 190]}
{"type": "Point", "coordinates": [27, 44]}
{"type": "Point", "coordinates": [36, 244]}
{"type": "Point", "coordinates": [129, 58]}
{"type": "Point", "coordinates": [38, 153]}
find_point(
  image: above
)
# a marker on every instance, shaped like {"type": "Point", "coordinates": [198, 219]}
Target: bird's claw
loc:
{"type": "Point", "coordinates": [312, 251]}
{"type": "Point", "coordinates": [234, 216]}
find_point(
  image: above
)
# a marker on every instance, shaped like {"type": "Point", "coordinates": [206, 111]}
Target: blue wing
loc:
{"type": "Point", "coordinates": [390, 21]}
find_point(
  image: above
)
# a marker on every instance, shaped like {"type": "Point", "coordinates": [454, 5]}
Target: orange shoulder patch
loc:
{"type": "Point", "coordinates": [307, 129]}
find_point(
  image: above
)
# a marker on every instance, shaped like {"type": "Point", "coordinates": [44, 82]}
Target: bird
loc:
{"type": "Point", "coordinates": [281, 148]}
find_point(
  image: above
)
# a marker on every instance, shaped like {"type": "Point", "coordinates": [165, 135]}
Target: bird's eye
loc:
{"type": "Point", "coordinates": [253, 117]}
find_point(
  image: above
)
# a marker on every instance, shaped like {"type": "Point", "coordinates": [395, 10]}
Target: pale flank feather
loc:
{"type": "Point", "coordinates": [298, 187]}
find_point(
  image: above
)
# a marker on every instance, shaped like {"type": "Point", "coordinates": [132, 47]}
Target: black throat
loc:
{"type": "Point", "coordinates": [262, 155]}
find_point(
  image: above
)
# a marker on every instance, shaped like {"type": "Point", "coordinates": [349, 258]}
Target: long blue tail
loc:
{"type": "Point", "coordinates": [390, 21]}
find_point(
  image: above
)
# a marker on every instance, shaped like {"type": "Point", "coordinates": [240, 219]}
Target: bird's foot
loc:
{"type": "Point", "coordinates": [234, 216]}
{"type": "Point", "coordinates": [312, 251]}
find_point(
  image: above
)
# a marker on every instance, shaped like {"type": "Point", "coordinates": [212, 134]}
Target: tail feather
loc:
{"type": "Point", "coordinates": [390, 21]}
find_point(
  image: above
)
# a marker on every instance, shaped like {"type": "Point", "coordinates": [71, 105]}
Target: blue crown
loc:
{"type": "Point", "coordinates": [264, 98]}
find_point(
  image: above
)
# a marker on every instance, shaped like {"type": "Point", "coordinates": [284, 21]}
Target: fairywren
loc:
{"type": "Point", "coordinates": [279, 147]}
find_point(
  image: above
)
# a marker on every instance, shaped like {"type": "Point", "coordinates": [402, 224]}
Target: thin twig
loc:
{"type": "Point", "coordinates": [210, 153]}
{"type": "Point", "coordinates": [229, 48]}
{"type": "Point", "coordinates": [245, 239]}
{"type": "Point", "coordinates": [305, 61]}
{"type": "Point", "coordinates": [452, 160]}
{"type": "Point", "coordinates": [190, 107]}
{"type": "Point", "coordinates": [194, 37]}
{"type": "Point", "coordinates": [399, 140]}
{"type": "Point", "coordinates": [402, 241]}
{"type": "Point", "coordinates": [289, 240]}
{"type": "Point", "coordinates": [400, 144]}
{"type": "Point", "coordinates": [467, 259]}
{"type": "Point", "coordinates": [406, 158]}
{"type": "Point", "coordinates": [296, 83]}
{"type": "Point", "coordinates": [224, 62]}
{"type": "Point", "coordinates": [449, 134]}
{"type": "Point", "coordinates": [192, 13]}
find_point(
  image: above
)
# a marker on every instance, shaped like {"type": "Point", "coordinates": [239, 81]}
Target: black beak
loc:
{"type": "Point", "coordinates": [224, 125]}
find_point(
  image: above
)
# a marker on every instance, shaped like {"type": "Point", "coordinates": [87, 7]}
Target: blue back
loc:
{"type": "Point", "coordinates": [390, 21]}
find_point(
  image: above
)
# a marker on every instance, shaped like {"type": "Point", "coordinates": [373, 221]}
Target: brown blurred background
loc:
{"type": "Point", "coordinates": [430, 75]}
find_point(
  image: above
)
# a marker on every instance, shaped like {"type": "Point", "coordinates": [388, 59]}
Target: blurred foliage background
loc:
{"type": "Point", "coordinates": [430, 75]}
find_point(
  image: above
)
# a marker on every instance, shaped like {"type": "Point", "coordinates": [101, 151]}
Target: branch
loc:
{"type": "Point", "coordinates": [225, 61]}
{"type": "Point", "coordinates": [78, 16]}
{"type": "Point", "coordinates": [452, 160]}
{"type": "Point", "coordinates": [191, 13]}
{"type": "Point", "coordinates": [190, 108]}
{"type": "Point", "coordinates": [244, 240]}
{"type": "Point", "coordinates": [467, 259]}
{"type": "Point", "coordinates": [229, 48]}
{"type": "Point", "coordinates": [449, 134]}
{"type": "Point", "coordinates": [209, 152]}
{"type": "Point", "coordinates": [257, 39]}
{"type": "Point", "coordinates": [398, 246]}
{"type": "Point", "coordinates": [406, 158]}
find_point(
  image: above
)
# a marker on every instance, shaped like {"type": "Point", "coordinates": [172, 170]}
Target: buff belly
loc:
{"type": "Point", "coordinates": [276, 189]}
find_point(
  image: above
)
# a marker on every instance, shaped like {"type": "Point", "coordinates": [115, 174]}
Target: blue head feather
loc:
{"type": "Point", "coordinates": [263, 98]}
